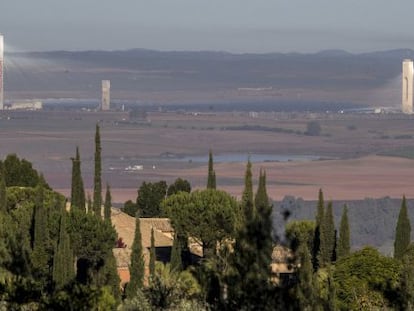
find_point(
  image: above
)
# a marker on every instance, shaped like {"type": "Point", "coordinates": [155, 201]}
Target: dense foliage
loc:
{"type": "Point", "coordinates": [53, 257]}
{"type": "Point", "coordinates": [214, 212]}
{"type": "Point", "coordinates": [250, 270]}
{"type": "Point", "coordinates": [178, 186]}
{"type": "Point", "coordinates": [366, 278]}
{"type": "Point", "coordinates": [150, 197]}
{"type": "Point", "coordinates": [20, 172]}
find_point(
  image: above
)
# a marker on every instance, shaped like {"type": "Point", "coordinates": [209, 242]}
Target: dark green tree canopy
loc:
{"type": "Point", "coordinates": [179, 185]}
{"type": "Point", "coordinates": [130, 208]}
{"type": "Point", "coordinates": [299, 232]}
{"type": "Point", "coordinates": [209, 215]}
{"type": "Point", "coordinates": [91, 239]}
{"type": "Point", "coordinates": [250, 273]}
{"type": "Point", "coordinates": [368, 271]}
{"type": "Point", "coordinates": [20, 172]}
{"type": "Point", "coordinates": [150, 196]}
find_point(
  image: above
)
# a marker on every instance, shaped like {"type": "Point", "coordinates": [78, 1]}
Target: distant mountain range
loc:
{"type": "Point", "coordinates": [147, 76]}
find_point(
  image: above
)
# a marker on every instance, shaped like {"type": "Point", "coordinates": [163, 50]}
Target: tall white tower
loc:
{"type": "Point", "coordinates": [106, 96]}
{"type": "Point", "coordinates": [407, 86]}
{"type": "Point", "coordinates": [1, 71]}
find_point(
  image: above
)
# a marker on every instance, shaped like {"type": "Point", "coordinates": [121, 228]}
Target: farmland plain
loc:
{"type": "Point", "coordinates": [354, 156]}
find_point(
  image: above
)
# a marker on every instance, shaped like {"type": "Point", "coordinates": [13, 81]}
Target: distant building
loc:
{"type": "Point", "coordinates": [1, 71]}
{"type": "Point", "coordinates": [407, 86]}
{"type": "Point", "coordinates": [26, 105]}
{"type": "Point", "coordinates": [106, 95]}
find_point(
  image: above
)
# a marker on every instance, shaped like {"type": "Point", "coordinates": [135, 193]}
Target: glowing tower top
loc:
{"type": "Point", "coordinates": [1, 70]}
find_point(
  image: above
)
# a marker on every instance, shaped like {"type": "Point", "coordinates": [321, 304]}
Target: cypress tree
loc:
{"type": "Point", "coordinates": [247, 198]}
{"type": "Point", "coordinates": [327, 234]}
{"type": "Point", "coordinates": [152, 255]}
{"type": "Point", "coordinates": [250, 272]}
{"type": "Point", "coordinates": [107, 204]}
{"type": "Point", "coordinates": [211, 180]}
{"type": "Point", "coordinates": [137, 266]}
{"type": "Point", "coordinates": [306, 289]}
{"type": "Point", "coordinates": [407, 280]}
{"type": "Point", "coordinates": [3, 192]}
{"type": "Point", "coordinates": [320, 208]}
{"type": "Point", "coordinates": [402, 231]}
{"type": "Point", "coordinates": [331, 304]}
{"type": "Point", "coordinates": [264, 226]}
{"type": "Point", "coordinates": [317, 238]}
{"type": "Point", "coordinates": [176, 261]}
{"type": "Point", "coordinates": [40, 255]}
{"type": "Point", "coordinates": [77, 190]}
{"type": "Point", "coordinates": [97, 185]}
{"type": "Point", "coordinates": [109, 275]}
{"type": "Point", "coordinates": [74, 189]}
{"type": "Point", "coordinates": [344, 245]}
{"type": "Point", "coordinates": [63, 264]}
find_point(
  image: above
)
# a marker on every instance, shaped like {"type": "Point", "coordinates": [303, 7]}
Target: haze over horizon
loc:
{"type": "Point", "coordinates": [233, 26]}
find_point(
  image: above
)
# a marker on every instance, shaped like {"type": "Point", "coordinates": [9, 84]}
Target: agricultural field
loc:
{"type": "Point", "coordinates": [352, 157]}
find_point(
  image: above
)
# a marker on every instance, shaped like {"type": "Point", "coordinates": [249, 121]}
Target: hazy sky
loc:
{"type": "Point", "coordinates": [225, 25]}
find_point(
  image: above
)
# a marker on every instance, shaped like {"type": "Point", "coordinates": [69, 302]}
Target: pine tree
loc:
{"type": "Point", "coordinates": [152, 255]}
{"type": "Point", "coordinates": [176, 261]}
{"type": "Point", "coordinates": [3, 192]}
{"type": "Point", "coordinates": [211, 180]}
{"type": "Point", "coordinates": [317, 238]}
{"type": "Point", "coordinates": [137, 266]}
{"type": "Point", "coordinates": [107, 204]}
{"type": "Point", "coordinates": [40, 255]}
{"type": "Point", "coordinates": [344, 245]}
{"type": "Point", "coordinates": [97, 185]}
{"type": "Point", "coordinates": [63, 264]}
{"type": "Point", "coordinates": [327, 241]}
{"type": "Point", "coordinates": [77, 191]}
{"type": "Point", "coordinates": [402, 231]}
